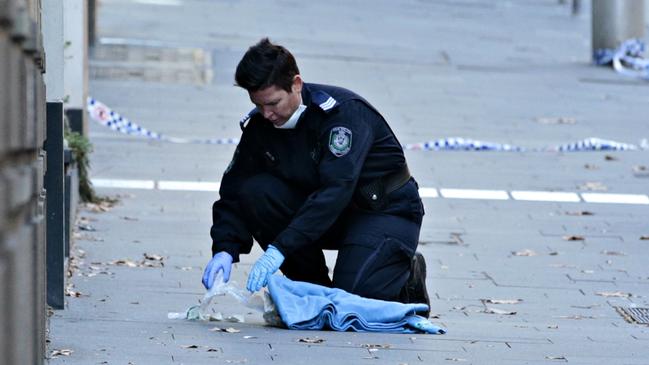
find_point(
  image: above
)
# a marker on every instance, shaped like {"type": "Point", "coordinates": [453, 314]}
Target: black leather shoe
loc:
{"type": "Point", "coordinates": [415, 289]}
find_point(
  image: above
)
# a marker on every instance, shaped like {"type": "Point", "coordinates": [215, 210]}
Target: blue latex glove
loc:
{"type": "Point", "coordinates": [266, 266]}
{"type": "Point", "coordinates": [220, 261]}
{"type": "Point", "coordinates": [424, 325]}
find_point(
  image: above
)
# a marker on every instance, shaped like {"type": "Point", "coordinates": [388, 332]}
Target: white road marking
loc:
{"type": "Point", "coordinates": [159, 2]}
{"type": "Point", "coordinates": [425, 192]}
{"type": "Point", "coordinates": [474, 194]}
{"type": "Point", "coordinates": [615, 198]}
{"type": "Point", "coordinates": [428, 193]}
{"type": "Point", "coordinates": [189, 185]}
{"type": "Point", "coordinates": [545, 196]}
{"type": "Point", "coordinates": [124, 184]}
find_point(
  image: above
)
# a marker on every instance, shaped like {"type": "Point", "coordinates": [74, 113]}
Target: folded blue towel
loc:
{"type": "Point", "coordinates": [307, 306]}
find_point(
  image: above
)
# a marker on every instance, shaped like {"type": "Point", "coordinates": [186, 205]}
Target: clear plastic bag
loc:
{"type": "Point", "coordinates": [260, 302]}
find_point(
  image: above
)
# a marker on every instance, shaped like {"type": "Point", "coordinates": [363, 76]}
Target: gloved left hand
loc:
{"type": "Point", "coordinates": [266, 266]}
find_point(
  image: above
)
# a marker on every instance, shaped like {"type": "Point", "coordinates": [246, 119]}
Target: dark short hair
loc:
{"type": "Point", "coordinates": [266, 64]}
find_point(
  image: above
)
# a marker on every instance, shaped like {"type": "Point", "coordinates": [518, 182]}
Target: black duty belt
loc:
{"type": "Point", "coordinates": [395, 180]}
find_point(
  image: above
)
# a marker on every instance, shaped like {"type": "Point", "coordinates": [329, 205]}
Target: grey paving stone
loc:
{"type": "Point", "coordinates": [476, 69]}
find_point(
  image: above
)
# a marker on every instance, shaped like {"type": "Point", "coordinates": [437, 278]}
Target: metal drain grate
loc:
{"type": "Point", "coordinates": [634, 315]}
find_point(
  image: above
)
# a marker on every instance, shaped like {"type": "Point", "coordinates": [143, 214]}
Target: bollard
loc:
{"type": "Point", "coordinates": [614, 21]}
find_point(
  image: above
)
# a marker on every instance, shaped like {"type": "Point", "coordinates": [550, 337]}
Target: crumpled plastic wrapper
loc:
{"type": "Point", "coordinates": [205, 311]}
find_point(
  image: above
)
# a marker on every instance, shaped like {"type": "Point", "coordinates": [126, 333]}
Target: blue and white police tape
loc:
{"type": "Point", "coordinates": [626, 59]}
{"type": "Point", "coordinates": [460, 144]}
{"type": "Point", "coordinates": [103, 115]}
{"type": "Point", "coordinates": [596, 144]}
{"type": "Point", "coordinates": [109, 118]}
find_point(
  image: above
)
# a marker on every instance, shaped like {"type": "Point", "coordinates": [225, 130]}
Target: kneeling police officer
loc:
{"type": "Point", "coordinates": [317, 167]}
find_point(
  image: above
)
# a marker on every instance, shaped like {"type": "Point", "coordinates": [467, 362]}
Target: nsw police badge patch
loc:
{"type": "Point", "coordinates": [340, 141]}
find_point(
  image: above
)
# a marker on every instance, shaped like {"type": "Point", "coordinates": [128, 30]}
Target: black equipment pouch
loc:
{"type": "Point", "coordinates": [374, 194]}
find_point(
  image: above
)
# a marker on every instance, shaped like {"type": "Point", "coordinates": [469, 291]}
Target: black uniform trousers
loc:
{"type": "Point", "coordinates": [374, 249]}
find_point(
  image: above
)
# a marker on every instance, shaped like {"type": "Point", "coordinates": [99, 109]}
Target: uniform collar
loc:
{"type": "Point", "coordinates": [292, 121]}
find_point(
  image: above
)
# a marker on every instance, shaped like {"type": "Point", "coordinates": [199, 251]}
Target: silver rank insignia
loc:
{"type": "Point", "coordinates": [340, 141]}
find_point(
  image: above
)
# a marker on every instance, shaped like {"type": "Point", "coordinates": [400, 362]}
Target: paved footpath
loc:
{"type": "Point", "coordinates": [513, 281]}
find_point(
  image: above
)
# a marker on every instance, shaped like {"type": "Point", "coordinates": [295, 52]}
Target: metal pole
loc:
{"type": "Point", "coordinates": [92, 23]}
{"type": "Point", "coordinates": [614, 21]}
{"type": "Point", "coordinates": [54, 184]}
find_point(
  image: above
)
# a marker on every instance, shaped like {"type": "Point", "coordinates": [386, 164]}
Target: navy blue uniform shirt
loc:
{"type": "Point", "coordinates": [339, 143]}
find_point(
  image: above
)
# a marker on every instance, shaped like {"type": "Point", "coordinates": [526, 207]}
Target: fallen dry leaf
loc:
{"type": "Point", "coordinates": [85, 220]}
{"type": "Point", "coordinates": [153, 257]}
{"type": "Point", "coordinates": [618, 294]}
{"type": "Point", "coordinates": [525, 252]}
{"type": "Point", "coordinates": [123, 262]}
{"type": "Point", "coordinates": [456, 238]}
{"type": "Point", "coordinates": [101, 207]}
{"type": "Point", "coordinates": [644, 237]}
{"type": "Point", "coordinates": [641, 171]}
{"type": "Point", "coordinates": [580, 213]}
{"type": "Point", "coordinates": [70, 292]}
{"type": "Point", "coordinates": [563, 358]}
{"type": "Point", "coordinates": [573, 238]}
{"type": "Point", "coordinates": [189, 346]}
{"type": "Point", "coordinates": [613, 253]}
{"type": "Point", "coordinates": [228, 330]}
{"type": "Point", "coordinates": [311, 340]}
{"type": "Point", "coordinates": [610, 158]}
{"type": "Point", "coordinates": [212, 350]}
{"type": "Point", "coordinates": [86, 227]}
{"type": "Point", "coordinates": [556, 120]}
{"type": "Point", "coordinates": [61, 352]}
{"type": "Point", "coordinates": [502, 301]}
{"type": "Point", "coordinates": [499, 311]}
{"type": "Point", "coordinates": [375, 346]}
{"type": "Point", "coordinates": [86, 237]}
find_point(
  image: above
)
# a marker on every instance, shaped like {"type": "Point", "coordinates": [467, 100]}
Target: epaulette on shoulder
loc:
{"type": "Point", "coordinates": [325, 101]}
{"type": "Point", "coordinates": [243, 122]}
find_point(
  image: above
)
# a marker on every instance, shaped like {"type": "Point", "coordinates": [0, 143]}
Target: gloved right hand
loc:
{"type": "Point", "coordinates": [221, 261]}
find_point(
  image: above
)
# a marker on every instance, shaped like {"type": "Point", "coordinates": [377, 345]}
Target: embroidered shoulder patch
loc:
{"type": "Point", "coordinates": [340, 141]}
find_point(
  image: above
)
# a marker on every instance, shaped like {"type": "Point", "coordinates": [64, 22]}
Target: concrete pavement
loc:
{"type": "Point", "coordinates": [495, 71]}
